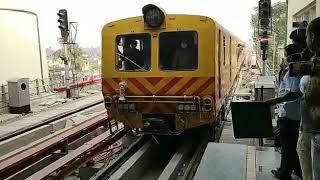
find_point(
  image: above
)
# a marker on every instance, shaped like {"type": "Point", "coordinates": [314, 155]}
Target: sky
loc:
{"type": "Point", "coordinates": [92, 15]}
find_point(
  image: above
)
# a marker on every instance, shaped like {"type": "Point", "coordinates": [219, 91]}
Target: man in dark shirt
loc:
{"type": "Point", "coordinates": [184, 57]}
{"type": "Point", "coordinates": [133, 58]}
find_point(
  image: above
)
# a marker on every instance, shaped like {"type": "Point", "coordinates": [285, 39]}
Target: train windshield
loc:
{"type": "Point", "coordinates": [133, 52]}
{"type": "Point", "coordinates": [178, 51]}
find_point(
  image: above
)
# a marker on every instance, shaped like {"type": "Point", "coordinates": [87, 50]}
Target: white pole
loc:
{"type": "Point", "coordinates": [264, 68]}
{"type": "Point", "coordinates": [274, 52]}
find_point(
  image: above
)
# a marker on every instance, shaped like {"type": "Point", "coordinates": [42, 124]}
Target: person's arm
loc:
{"type": "Point", "coordinates": [292, 91]}
{"type": "Point", "coordinates": [288, 96]}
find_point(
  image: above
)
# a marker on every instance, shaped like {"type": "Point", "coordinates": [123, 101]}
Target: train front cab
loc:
{"type": "Point", "coordinates": [157, 96]}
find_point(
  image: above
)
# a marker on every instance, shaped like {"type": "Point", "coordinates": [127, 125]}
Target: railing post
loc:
{"type": "Point", "coordinates": [44, 86]}
{"type": "Point", "coordinates": [3, 94]}
{"type": "Point", "coordinates": [37, 86]}
{"type": "Point", "coordinates": [261, 98]}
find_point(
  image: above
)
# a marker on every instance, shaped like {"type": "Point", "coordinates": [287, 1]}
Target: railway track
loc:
{"type": "Point", "coordinates": [145, 157]}
{"type": "Point", "coordinates": [60, 143]}
{"type": "Point", "coordinates": [47, 121]}
{"type": "Point", "coordinates": [158, 158]}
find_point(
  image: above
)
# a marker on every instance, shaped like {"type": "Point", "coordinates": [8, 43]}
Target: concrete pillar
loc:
{"type": "Point", "coordinates": [3, 95]}
{"type": "Point", "coordinates": [318, 8]}
{"type": "Point", "coordinates": [37, 86]}
{"type": "Point", "coordinates": [44, 85]}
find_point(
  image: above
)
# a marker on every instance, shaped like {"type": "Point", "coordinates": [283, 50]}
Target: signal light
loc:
{"type": "Point", "coordinates": [264, 41]}
{"type": "Point", "coordinates": [153, 16]}
{"type": "Point", "coordinates": [63, 20]}
{"type": "Point", "coordinates": [265, 14]}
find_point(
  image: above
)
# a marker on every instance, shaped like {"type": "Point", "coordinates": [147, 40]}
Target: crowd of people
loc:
{"type": "Point", "coordinates": [299, 99]}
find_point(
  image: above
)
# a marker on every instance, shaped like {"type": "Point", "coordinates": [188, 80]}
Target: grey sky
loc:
{"type": "Point", "coordinates": [92, 15]}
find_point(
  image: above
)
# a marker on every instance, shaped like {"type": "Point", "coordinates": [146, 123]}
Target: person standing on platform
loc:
{"type": "Point", "coordinates": [310, 109]}
{"type": "Point", "coordinates": [289, 118]}
{"type": "Point", "coordinates": [312, 94]}
{"type": "Point", "coordinates": [304, 141]}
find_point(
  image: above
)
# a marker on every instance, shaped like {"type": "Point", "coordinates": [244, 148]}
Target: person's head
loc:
{"type": "Point", "coordinates": [313, 35]}
{"type": "Point", "coordinates": [184, 44]}
{"type": "Point", "coordinates": [298, 37]}
{"type": "Point", "coordinates": [292, 49]}
{"type": "Point", "coordinates": [293, 53]}
{"type": "Point", "coordinates": [133, 44]}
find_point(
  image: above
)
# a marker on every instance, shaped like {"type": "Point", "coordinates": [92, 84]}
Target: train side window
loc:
{"type": "Point", "coordinates": [178, 51]}
{"type": "Point", "coordinates": [133, 52]}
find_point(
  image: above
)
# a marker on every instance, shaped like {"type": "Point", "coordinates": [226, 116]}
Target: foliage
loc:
{"type": "Point", "coordinates": [76, 56]}
{"type": "Point", "coordinates": [279, 29]}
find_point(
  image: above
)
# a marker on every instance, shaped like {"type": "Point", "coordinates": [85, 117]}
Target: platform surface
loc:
{"type": "Point", "coordinates": [223, 161]}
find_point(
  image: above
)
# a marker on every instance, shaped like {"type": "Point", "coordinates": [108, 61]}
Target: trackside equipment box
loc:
{"type": "Point", "coordinates": [19, 96]}
{"type": "Point", "coordinates": [251, 119]}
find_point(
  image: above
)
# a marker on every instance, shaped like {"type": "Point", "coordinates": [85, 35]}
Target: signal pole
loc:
{"type": "Point", "coordinates": [265, 29]}
{"type": "Point", "coordinates": [63, 20]}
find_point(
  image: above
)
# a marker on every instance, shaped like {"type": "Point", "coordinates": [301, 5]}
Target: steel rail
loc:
{"type": "Point", "coordinates": [47, 121]}
{"type": "Point", "coordinates": [114, 166]}
{"type": "Point", "coordinates": [65, 165]}
{"type": "Point", "coordinates": [20, 160]}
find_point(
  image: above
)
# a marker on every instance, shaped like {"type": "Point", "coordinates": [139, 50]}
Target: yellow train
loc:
{"type": "Point", "coordinates": [164, 74]}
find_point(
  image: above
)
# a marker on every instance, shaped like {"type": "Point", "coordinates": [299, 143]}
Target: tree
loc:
{"type": "Point", "coordinates": [76, 56]}
{"type": "Point", "coordinates": [279, 29]}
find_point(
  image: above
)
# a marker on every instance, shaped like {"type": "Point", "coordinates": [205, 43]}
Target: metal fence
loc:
{"type": "Point", "coordinates": [39, 87]}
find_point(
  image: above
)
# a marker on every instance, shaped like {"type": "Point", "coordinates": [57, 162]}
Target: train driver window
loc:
{"type": "Point", "coordinates": [133, 52]}
{"type": "Point", "coordinates": [178, 51]}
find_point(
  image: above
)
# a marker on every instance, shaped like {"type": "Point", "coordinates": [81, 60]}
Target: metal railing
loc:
{"type": "Point", "coordinates": [39, 87]}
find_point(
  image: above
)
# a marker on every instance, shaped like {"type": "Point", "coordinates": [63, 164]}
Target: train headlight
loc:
{"type": "Point", "coordinates": [108, 102]}
{"type": "Point", "coordinates": [180, 107]}
{"type": "Point", "coordinates": [187, 107]}
{"type": "Point", "coordinates": [193, 107]}
{"type": "Point", "coordinates": [153, 15]}
{"type": "Point", "coordinates": [132, 107]}
{"type": "Point", "coordinates": [207, 103]}
{"type": "Point", "coordinates": [125, 106]}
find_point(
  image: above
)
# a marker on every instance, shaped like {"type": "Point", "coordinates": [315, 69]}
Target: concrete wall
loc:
{"type": "Point", "coordinates": [296, 7]}
{"type": "Point", "coordinates": [19, 47]}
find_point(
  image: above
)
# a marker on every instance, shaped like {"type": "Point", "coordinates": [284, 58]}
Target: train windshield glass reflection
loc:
{"type": "Point", "coordinates": [178, 51]}
{"type": "Point", "coordinates": [133, 52]}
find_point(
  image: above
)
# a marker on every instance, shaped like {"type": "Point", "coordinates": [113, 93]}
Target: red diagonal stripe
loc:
{"type": "Point", "coordinates": [140, 86]}
{"type": "Point", "coordinates": [168, 86]}
{"type": "Point", "coordinates": [187, 85]}
{"type": "Point", "coordinates": [154, 80]}
{"type": "Point", "coordinates": [117, 80]}
{"type": "Point", "coordinates": [205, 86]}
{"type": "Point", "coordinates": [109, 88]}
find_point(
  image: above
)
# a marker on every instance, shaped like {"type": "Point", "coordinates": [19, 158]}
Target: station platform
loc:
{"type": "Point", "coordinates": [239, 159]}
{"type": "Point", "coordinates": [238, 162]}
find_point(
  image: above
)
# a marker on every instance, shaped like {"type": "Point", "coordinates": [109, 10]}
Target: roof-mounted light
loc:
{"type": "Point", "coordinates": [153, 16]}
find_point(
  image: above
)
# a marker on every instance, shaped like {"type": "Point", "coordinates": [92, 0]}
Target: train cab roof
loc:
{"type": "Point", "coordinates": [172, 22]}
